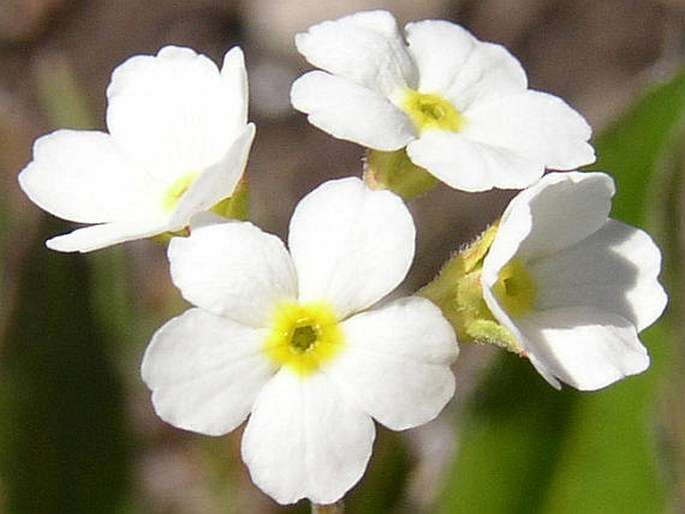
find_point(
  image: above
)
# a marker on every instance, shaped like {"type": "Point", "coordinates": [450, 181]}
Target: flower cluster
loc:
{"type": "Point", "coordinates": [298, 341]}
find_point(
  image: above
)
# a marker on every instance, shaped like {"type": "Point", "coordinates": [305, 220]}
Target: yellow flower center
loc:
{"type": "Point", "coordinates": [515, 289]}
{"type": "Point", "coordinates": [431, 112]}
{"type": "Point", "coordinates": [303, 337]}
{"type": "Point", "coordinates": [177, 190]}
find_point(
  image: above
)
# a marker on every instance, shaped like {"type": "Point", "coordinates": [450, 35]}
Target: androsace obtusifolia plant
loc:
{"type": "Point", "coordinates": [297, 341]}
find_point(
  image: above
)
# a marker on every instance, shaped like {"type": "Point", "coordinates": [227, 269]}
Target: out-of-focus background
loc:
{"type": "Point", "coordinates": [77, 432]}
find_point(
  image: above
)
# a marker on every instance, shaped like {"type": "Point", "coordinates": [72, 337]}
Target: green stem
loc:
{"type": "Point", "coordinates": [394, 171]}
{"type": "Point", "coordinates": [333, 508]}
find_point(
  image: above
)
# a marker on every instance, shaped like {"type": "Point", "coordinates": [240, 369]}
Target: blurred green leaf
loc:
{"type": "Point", "coordinates": [633, 149]}
{"type": "Point", "coordinates": [514, 428]}
{"type": "Point", "coordinates": [62, 434]}
{"type": "Point", "coordinates": [525, 448]}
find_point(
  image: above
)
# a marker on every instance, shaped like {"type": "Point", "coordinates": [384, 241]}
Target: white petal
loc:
{"type": "Point", "coordinates": [469, 165]}
{"type": "Point", "coordinates": [205, 372]}
{"type": "Point", "coordinates": [555, 213]}
{"type": "Point", "coordinates": [366, 48]}
{"type": "Point", "coordinates": [583, 347]}
{"type": "Point", "coordinates": [233, 269]}
{"type": "Point", "coordinates": [207, 218]}
{"type": "Point", "coordinates": [396, 362]}
{"type": "Point", "coordinates": [614, 270]}
{"type": "Point", "coordinates": [83, 176]}
{"type": "Point", "coordinates": [454, 63]}
{"type": "Point", "coordinates": [172, 111]}
{"type": "Point", "coordinates": [234, 77]}
{"type": "Point", "coordinates": [351, 245]}
{"type": "Point", "coordinates": [216, 182]}
{"type": "Point", "coordinates": [96, 237]}
{"type": "Point", "coordinates": [304, 440]}
{"type": "Point", "coordinates": [538, 126]}
{"type": "Point", "coordinates": [351, 112]}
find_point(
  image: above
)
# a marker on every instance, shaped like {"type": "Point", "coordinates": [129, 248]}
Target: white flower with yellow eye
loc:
{"type": "Point", "coordinates": [573, 286]}
{"type": "Point", "coordinates": [177, 144]}
{"type": "Point", "coordinates": [289, 339]}
{"type": "Point", "coordinates": [461, 107]}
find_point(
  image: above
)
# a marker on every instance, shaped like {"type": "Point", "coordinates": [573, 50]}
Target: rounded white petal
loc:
{"type": "Point", "coordinates": [453, 63]}
{"type": "Point", "coordinates": [216, 182]}
{"type": "Point", "coordinates": [614, 270]}
{"type": "Point", "coordinates": [537, 126]}
{"type": "Point", "coordinates": [582, 346]}
{"type": "Point", "coordinates": [557, 212]}
{"type": "Point", "coordinates": [351, 245]}
{"type": "Point", "coordinates": [351, 112]}
{"type": "Point", "coordinates": [396, 362]}
{"type": "Point", "coordinates": [172, 112]}
{"type": "Point", "coordinates": [305, 440]}
{"type": "Point", "coordinates": [96, 237]}
{"type": "Point", "coordinates": [234, 270]}
{"type": "Point", "coordinates": [205, 372]}
{"type": "Point", "coordinates": [366, 48]}
{"type": "Point", "coordinates": [83, 176]}
{"type": "Point", "coordinates": [469, 165]}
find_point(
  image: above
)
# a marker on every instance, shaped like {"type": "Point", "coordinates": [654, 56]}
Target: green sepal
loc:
{"type": "Point", "coordinates": [165, 237]}
{"type": "Point", "coordinates": [458, 292]}
{"type": "Point", "coordinates": [396, 172]}
{"type": "Point", "coordinates": [236, 206]}
{"type": "Point", "coordinates": [490, 331]}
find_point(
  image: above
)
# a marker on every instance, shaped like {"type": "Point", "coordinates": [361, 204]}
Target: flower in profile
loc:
{"type": "Point", "coordinates": [460, 107]}
{"type": "Point", "coordinates": [571, 285]}
{"type": "Point", "coordinates": [291, 340]}
{"type": "Point", "coordinates": [177, 144]}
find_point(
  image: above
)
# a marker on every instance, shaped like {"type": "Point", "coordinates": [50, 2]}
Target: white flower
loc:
{"type": "Point", "coordinates": [287, 338]}
{"type": "Point", "coordinates": [460, 106]}
{"type": "Point", "coordinates": [177, 144]}
{"type": "Point", "coordinates": [573, 286]}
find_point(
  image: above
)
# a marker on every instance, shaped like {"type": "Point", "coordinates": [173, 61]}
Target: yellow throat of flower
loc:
{"type": "Point", "coordinates": [174, 193]}
{"type": "Point", "coordinates": [515, 289]}
{"type": "Point", "coordinates": [303, 336]}
{"type": "Point", "coordinates": [431, 112]}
